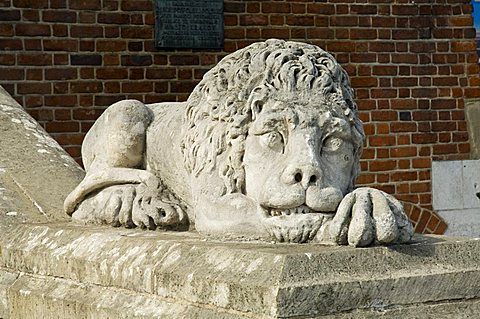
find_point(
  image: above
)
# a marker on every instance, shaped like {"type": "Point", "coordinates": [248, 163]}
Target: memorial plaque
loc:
{"type": "Point", "coordinates": [189, 24]}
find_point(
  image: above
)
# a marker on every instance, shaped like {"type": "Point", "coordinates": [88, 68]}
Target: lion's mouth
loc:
{"type": "Point", "coordinates": [302, 209]}
{"type": "Point", "coordinates": [298, 224]}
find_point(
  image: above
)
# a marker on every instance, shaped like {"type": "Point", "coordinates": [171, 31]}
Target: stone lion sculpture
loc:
{"type": "Point", "coordinates": [266, 147]}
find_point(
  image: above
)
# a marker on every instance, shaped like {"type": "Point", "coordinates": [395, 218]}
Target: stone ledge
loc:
{"type": "Point", "coordinates": [244, 279]}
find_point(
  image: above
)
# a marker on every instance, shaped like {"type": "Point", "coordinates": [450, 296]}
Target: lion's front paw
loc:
{"type": "Point", "coordinates": [367, 216]}
{"type": "Point", "coordinates": [150, 211]}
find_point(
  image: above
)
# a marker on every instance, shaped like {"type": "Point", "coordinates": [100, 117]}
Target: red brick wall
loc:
{"type": "Point", "coordinates": [412, 63]}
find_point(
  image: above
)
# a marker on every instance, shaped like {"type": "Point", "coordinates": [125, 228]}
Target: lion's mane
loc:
{"type": "Point", "coordinates": [224, 104]}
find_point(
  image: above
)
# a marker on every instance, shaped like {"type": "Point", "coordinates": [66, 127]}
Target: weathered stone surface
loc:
{"type": "Point", "coordinates": [472, 115]}
{"type": "Point", "coordinates": [35, 172]}
{"type": "Point", "coordinates": [456, 195]}
{"type": "Point", "coordinates": [182, 273]}
{"type": "Point", "coordinates": [267, 146]}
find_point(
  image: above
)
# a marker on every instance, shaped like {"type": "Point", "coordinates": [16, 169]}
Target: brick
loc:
{"type": "Point", "coordinates": [237, 33]}
{"type": "Point", "coordinates": [424, 138]}
{"type": "Point", "coordinates": [383, 22]}
{"type": "Point", "coordinates": [312, 33]}
{"type": "Point", "coordinates": [182, 86]}
{"type": "Point", "coordinates": [7, 59]}
{"type": "Point", "coordinates": [86, 31]}
{"type": "Point", "coordinates": [31, 15]}
{"type": "Point", "coordinates": [111, 45]}
{"type": "Point", "coordinates": [233, 7]}
{"type": "Point", "coordinates": [378, 166]}
{"type": "Point", "coordinates": [277, 7]}
{"type": "Point", "coordinates": [254, 20]}
{"type": "Point", "coordinates": [364, 82]}
{"type": "Point", "coordinates": [112, 31]}
{"type": "Point", "coordinates": [69, 139]}
{"type": "Point", "coordinates": [404, 176]}
{"type": "Point", "coordinates": [136, 60]}
{"type": "Point", "coordinates": [34, 59]}
{"type": "Point", "coordinates": [444, 126]}
{"type": "Point", "coordinates": [9, 15]}
{"type": "Point", "coordinates": [34, 88]}
{"type": "Point", "coordinates": [358, 34]}
{"type": "Point", "coordinates": [63, 114]}
{"type": "Point", "coordinates": [424, 93]}
{"type": "Point", "coordinates": [441, 149]}
{"type": "Point", "coordinates": [85, 4]}
{"type": "Point", "coordinates": [404, 34]}
{"type": "Point", "coordinates": [405, 9]}
{"type": "Point", "coordinates": [37, 4]}
{"type": "Point", "coordinates": [33, 44]}
{"type": "Point", "coordinates": [28, 29]}
{"type": "Point", "coordinates": [184, 60]}
{"type": "Point", "coordinates": [387, 140]}
{"type": "Point", "coordinates": [86, 59]}
{"type": "Point", "coordinates": [363, 9]}
{"type": "Point", "coordinates": [13, 75]}
{"type": "Point", "coordinates": [59, 16]}
{"type": "Point", "coordinates": [86, 87]}
{"type": "Point", "coordinates": [403, 127]}
{"type": "Point", "coordinates": [382, 46]}
{"type": "Point", "coordinates": [113, 18]}
{"type": "Point", "coordinates": [58, 4]}
{"type": "Point", "coordinates": [105, 100]}
{"type": "Point", "coordinates": [137, 5]}
{"type": "Point", "coordinates": [321, 8]}
{"type": "Point", "coordinates": [87, 114]}
{"type": "Point", "coordinates": [11, 44]}
{"type": "Point", "coordinates": [137, 32]}
{"type": "Point", "coordinates": [424, 70]}
{"type": "Point", "coordinates": [403, 152]}
{"type": "Point", "coordinates": [60, 45]}
{"type": "Point", "coordinates": [34, 74]}
{"type": "Point", "coordinates": [384, 70]}
{"type": "Point", "coordinates": [137, 87]}
{"type": "Point", "coordinates": [6, 30]}
{"type": "Point", "coordinates": [60, 74]}
{"type": "Point", "coordinates": [111, 73]}
{"type": "Point", "coordinates": [232, 20]}
{"type": "Point", "coordinates": [346, 21]}
{"type": "Point", "coordinates": [61, 100]}
{"type": "Point", "coordinates": [384, 115]}
{"type": "Point", "coordinates": [461, 21]}
{"type": "Point", "coordinates": [67, 126]}
{"type": "Point", "coordinates": [135, 46]}
{"type": "Point", "coordinates": [300, 20]}
{"type": "Point", "coordinates": [59, 30]}
{"type": "Point", "coordinates": [363, 57]}
{"type": "Point", "coordinates": [463, 46]}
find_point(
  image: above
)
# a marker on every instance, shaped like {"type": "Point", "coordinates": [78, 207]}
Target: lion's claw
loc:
{"type": "Point", "coordinates": [367, 216]}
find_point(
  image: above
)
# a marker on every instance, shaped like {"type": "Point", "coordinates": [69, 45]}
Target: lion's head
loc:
{"type": "Point", "coordinates": [281, 117]}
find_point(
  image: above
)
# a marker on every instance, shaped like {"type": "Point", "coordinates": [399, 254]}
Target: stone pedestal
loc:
{"type": "Point", "coordinates": [59, 270]}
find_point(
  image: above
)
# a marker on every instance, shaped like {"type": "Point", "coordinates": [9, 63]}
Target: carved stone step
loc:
{"type": "Point", "coordinates": [102, 272]}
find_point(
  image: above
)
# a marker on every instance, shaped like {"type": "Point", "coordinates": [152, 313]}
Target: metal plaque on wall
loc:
{"type": "Point", "coordinates": [189, 24]}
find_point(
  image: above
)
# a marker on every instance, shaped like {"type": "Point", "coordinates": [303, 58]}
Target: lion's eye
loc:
{"type": "Point", "coordinates": [332, 144]}
{"type": "Point", "coordinates": [273, 140]}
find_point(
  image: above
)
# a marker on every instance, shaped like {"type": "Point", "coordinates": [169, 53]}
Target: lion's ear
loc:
{"type": "Point", "coordinates": [256, 107]}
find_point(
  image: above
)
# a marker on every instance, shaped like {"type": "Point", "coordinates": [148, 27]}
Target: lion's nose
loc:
{"type": "Point", "coordinates": [306, 175]}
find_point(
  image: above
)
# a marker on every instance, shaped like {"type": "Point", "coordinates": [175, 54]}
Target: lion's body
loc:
{"type": "Point", "coordinates": [164, 156]}
{"type": "Point", "coordinates": [267, 146]}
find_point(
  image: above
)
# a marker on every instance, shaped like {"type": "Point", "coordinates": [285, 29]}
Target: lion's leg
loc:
{"type": "Point", "coordinates": [113, 153]}
{"type": "Point", "coordinates": [117, 139]}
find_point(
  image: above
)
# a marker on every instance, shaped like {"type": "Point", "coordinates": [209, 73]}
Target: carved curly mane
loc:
{"type": "Point", "coordinates": [226, 101]}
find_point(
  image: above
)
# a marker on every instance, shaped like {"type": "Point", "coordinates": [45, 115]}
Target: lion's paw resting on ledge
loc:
{"type": "Point", "coordinates": [266, 147]}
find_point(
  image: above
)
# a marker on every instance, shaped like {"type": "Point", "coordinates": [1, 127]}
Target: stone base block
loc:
{"type": "Point", "coordinates": [50, 271]}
